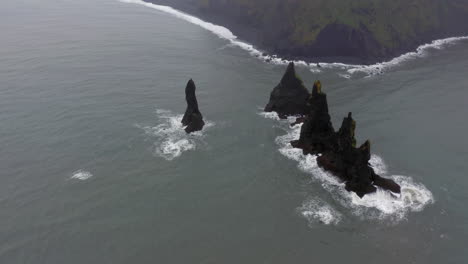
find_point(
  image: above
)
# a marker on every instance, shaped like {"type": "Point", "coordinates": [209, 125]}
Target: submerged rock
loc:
{"type": "Point", "coordinates": [289, 97]}
{"type": "Point", "coordinates": [337, 150]}
{"type": "Point", "coordinates": [193, 119]}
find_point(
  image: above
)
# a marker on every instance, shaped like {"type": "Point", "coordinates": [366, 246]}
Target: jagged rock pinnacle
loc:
{"type": "Point", "coordinates": [289, 97]}
{"type": "Point", "coordinates": [193, 119]}
{"type": "Point", "coordinates": [317, 88]}
{"type": "Point", "coordinates": [347, 130]}
{"type": "Point", "coordinates": [337, 150]}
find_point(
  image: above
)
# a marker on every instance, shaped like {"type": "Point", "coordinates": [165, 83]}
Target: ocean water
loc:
{"type": "Point", "coordinates": [95, 166]}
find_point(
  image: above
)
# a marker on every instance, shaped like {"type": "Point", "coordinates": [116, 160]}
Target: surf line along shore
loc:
{"type": "Point", "coordinates": [348, 68]}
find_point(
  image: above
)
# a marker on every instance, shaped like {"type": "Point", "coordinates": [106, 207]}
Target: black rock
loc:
{"type": "Point", "coordinates": [193, 119]}
{"type": "Point", "coordinates": [289, 97]}
{"type": "Point", "coordinates": [298, 121]}
{"type": "Point", "coordinates": [386, 184]}
{"type": "Point", "coordinates": [317, 130]}
{"type": "Point", "coordinates": [337, 150]}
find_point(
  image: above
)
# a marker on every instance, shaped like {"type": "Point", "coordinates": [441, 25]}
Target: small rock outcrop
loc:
{"type": "Point", "coordinates": [193, 119]}
{"type": "Point", "coordinates": [289, 97]}
{"type": "Point", "coordinates": [337, 151]}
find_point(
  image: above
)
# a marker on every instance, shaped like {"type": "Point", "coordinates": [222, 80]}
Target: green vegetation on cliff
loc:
{"type": "Point", "coordinates": [360, 28]}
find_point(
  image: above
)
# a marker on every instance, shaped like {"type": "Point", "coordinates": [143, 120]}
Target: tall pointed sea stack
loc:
{"type": "Point", "coordinates": [289, 97]}
{"type": "Point", "coordinates": [193, 119]}
{"type": "Point", "coordinates": [317, 130]}
{"type": "Point", "coordinates": [337, 150]}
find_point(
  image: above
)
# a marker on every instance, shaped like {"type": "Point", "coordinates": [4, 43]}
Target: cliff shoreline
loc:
{"type": "Point", "coordinates": [252, 36]}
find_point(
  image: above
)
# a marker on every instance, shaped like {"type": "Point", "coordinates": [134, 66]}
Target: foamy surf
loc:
{"type": "Point", "coordinates": [344, 70]}
{"type": "Point", "coordinates": [220, 31]}
{"type": "Point", "coordinates": [171, 139]}
{"type": "Point", "coordinates": [414, 196]}
{"type": "Point", "coordinates": [420, 52]}
{"type": "Point", "coordinates": [81, 175]}
{"type": "Point", "coordinates": [315, 210]}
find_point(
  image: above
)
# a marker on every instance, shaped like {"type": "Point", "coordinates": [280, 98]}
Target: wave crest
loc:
{"type": "Point", "coordinates": [81, 175]}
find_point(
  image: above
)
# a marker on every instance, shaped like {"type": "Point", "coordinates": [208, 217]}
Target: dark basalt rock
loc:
{"type": "Point", "coordinates": [289, 97]}
{"type": "Point", "coordinates": [298, 121]}
{"type": "Point", "coordinates": [337, 150]}
{"type": "Point", "coordinates": [386, 184]}
{"type": "Point", "coordinates": [351, 165]}
{"type": "Point", "coordinates": [193, 119]}
{"type": "Point", "coordinates": [317, 130]}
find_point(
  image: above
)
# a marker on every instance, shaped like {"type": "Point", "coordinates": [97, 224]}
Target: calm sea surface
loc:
{"type": "Point", "coordinates": [95, 167]}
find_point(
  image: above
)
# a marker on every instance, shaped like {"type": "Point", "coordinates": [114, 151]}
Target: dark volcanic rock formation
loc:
{"type": "Point", "coordinates": [348, 162]}
{"type": "Point", "coordinates": [337, 150]}
{"type": "Point", "coordinates": [317, 130]}
{"type": "Point", "coordinates": [289, 97]}
{"type": "Point", "coordinates": [193, 119]}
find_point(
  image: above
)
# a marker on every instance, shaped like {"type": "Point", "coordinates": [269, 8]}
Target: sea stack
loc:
{"type": "Point", "coordinates": [193, 119]}
{"type": "Point", "coordinates": [289, 97]}
{"type": "Point", "coordinates": [317, 131]}
{"type": "Point", "coordinates": [337, 151]}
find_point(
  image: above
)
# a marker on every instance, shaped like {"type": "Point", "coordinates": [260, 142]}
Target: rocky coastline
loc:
{"type": "Point", "coordinates": [335, 43]}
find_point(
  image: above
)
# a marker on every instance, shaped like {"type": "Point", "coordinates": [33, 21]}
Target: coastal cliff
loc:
{"type": "Point", "coordinates": [361, 31]}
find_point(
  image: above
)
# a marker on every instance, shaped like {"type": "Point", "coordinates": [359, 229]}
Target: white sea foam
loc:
{"type": "Point", "coordinates": [275, 116]}
{"type": "Point", "coordinates": [378, 164]}
{"type": "Point", "coordinates": [346, 76]}
{"type": "Point", "coordinates": [379, 205]}
{"type": "Point", "coordinates": [219, 31]}
{"type": "Point", "coordinates": [171, 138]}
{"type": "Point", "coordinates": [349, 69]}
{"type": "Point", "coordinates": [81, 175]}
{"type": "Point", "coordinates": [315, 70]}
{"type": "Point", "coordinates": [315, 210]}
{"type": "Point", "coordinates": [420, 52]}
{"type": "Point", "coordinates": [226, 34]}
{"type": "Point", "coordinates": [270, 115]}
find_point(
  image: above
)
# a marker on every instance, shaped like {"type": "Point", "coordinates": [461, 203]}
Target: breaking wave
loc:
{"type": "Point", "coordinates": [379, 205]}
{"type": "Point", "coordinates": [315, 210]}
{"type": "Point", "coordinates": [81, 175]}
{"type": "Point", "coordinates": [420, 52]}
{"type": "Point", "coordinates": [347, 70]}
{"type": "Point", "coordinates": [171, 138]}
